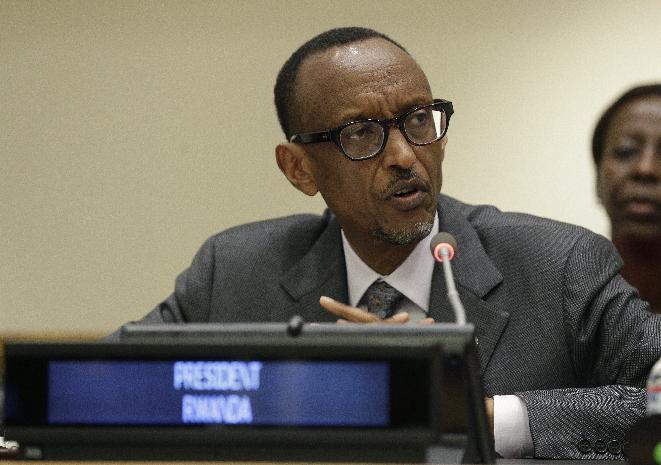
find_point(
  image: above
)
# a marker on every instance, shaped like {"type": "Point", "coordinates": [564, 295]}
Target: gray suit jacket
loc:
{"type": "Point", "coordinates": [555, 322]}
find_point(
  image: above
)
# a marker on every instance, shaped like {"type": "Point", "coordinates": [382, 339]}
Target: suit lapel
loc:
{"type": "Point", "coordinates": [320, 272]}
{"type": "Point", "coordinates": [475, 276]}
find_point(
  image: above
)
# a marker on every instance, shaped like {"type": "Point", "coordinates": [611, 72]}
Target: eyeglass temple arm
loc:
{"type": "Point", "coordinates": [310, 137]}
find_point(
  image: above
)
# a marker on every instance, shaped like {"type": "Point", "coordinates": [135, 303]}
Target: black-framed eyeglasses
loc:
{"type": "Point", "coordinates": [366, 138]}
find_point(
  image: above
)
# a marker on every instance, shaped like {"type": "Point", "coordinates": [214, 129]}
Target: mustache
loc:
{"type": "Point", "coordinates": [403, 178]}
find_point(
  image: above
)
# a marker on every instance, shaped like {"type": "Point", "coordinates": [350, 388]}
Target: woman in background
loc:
{"type": "Point", "coordinates": [626, 147]}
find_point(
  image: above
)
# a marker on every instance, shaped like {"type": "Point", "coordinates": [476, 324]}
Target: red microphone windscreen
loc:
{"type": "Point", "coordinates": [443, 239]}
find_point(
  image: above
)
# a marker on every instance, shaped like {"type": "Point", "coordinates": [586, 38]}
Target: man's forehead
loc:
{"type": "Point", "coordinates": [361, 53]}
{"type": "Point", "coordinates": [332, 79]}
{"type": "Point", "coordinates": [368, 55]}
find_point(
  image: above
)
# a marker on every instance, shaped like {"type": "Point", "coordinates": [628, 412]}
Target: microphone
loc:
{"type": "Point", "coordinates": [442, 248]}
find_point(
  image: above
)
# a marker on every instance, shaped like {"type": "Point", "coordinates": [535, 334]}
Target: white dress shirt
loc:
{"type": "Point", "coordinates": [413, 279]}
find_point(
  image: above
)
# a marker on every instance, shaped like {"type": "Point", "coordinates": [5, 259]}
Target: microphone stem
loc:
{"type": "Point", "coordinates": [453, 295]}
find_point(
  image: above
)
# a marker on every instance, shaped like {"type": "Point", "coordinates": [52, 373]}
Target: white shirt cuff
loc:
{"type": "Point", "coordinates": [511, 428]}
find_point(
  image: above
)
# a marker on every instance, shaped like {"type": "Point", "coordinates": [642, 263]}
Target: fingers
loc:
{"type": "Point", "coordinates": [398, 318]}
{"type": "Point", "coordinates": [347, 312]}
{"type": "Point", "coordinates": [403, 318]}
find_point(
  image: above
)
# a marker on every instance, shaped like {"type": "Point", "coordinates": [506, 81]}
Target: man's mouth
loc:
{"type": "Point", "coordinates": [402, 187]}
{"type": "Point", "coordinates": [407, 195]}
{"type": "Point", "coordinates": [406, 192]}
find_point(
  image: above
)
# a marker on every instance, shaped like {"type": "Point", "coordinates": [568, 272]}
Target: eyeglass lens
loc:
{"type": "Point", "coordinates": [422, 126]}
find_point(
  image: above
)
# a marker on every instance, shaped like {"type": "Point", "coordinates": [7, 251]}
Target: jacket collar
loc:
{"type": "Point", "coordinates": [472, 267]}
{"type": "Point", "coordinates": [475, 276]}
{"type": "Point", "coordinates": [321, 271]}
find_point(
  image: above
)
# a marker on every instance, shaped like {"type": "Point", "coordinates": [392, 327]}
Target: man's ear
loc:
{"type": "Point", "coordinates": [295, 164]}
{"type": "Point", "coordinates": [444, 142]}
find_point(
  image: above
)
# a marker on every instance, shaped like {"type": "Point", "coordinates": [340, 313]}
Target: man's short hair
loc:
{"type": "Point", "coordinates": [599, 136]}
{"type": "Point", "coordinates": [285, 83]}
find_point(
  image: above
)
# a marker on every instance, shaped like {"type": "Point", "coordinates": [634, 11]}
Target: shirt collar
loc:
{"type": "Point", "coordinates": [412, 278]}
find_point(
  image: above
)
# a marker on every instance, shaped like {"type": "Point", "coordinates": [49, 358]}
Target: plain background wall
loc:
{"type": "Point", "coordinates": [130, 131]}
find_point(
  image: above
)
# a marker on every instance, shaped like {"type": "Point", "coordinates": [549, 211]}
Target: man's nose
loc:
{"type": "Point", "coordinates": [398, 151]}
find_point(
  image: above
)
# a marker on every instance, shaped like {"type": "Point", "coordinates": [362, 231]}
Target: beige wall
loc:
{"type": "Point", "coordinates": [130, 131]}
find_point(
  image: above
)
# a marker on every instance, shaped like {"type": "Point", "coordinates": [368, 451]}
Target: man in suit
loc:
{"type": "Point", "coordinates": [564, 342]}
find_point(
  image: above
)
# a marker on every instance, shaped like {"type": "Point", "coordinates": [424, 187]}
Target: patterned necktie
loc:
{"type": "Point", "coordinates": [382, 299]}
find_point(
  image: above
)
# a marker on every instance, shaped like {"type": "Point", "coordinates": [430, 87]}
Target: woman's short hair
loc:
{"type": "Point", "coordinates": [599, 136]}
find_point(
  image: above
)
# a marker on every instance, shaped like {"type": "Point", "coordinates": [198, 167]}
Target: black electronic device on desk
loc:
{"type": "Point", "coordinates": [275, 392]}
